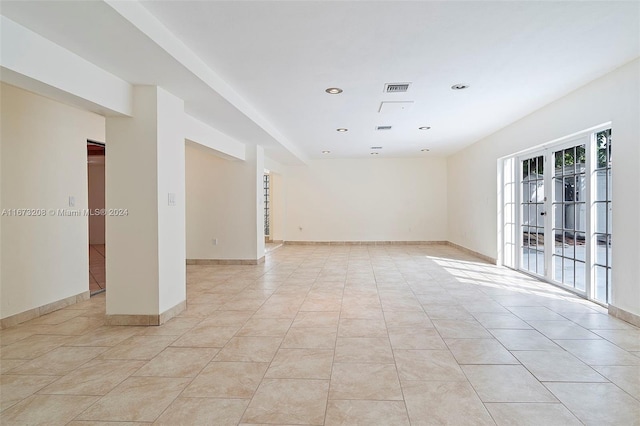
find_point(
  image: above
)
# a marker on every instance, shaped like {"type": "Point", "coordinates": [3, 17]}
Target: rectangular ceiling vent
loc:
{"type": "Point", "coordinates": [383, 128]}
{"type": "Point", "coordinates": [376, 147]}
{"type": "Point", "coordinates": [396, 87]}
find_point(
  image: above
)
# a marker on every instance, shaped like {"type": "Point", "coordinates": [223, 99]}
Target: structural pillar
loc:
{"type": "Point", "coordinates": [145, 201]}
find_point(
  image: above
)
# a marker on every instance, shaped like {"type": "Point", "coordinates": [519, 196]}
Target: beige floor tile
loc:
{"type": "Point", "coordinates": [496, 320]}
{"type": "Point", "coordinates": [460, 329]}
{"type": "Point", "coordinates": [203, 412]}
{"type": "Point", "coordinates": [49, 410]}
{"type": "Point", "coordinates": [557, 366]}
{"type": "Point", "coordinates": [626, 378]}
{"type": "Point", "coordinates": [440, 403]}
{"type": "Point", "coordinates": [524, 340]}
{"type": "Point", "coordinates": [629, 340]}
{"type": "Point", "coordinates": [56, 317]}
{"type": "Point", "coordinates": [275, 327]}
{"type": "Point", "coordinates": [301, 364]}
{"type": "Point", "coordinates": [415, 338]}
{"type": "Point", "coordinates": [94, 423]}
{"type": "Point", "coordinates": [227, 319]}
{"type": "Point", "coordinates": [139, 348]}
{"type": "Point", "coordinates": [136, 399]}
{"type": "Point", "coordinates": [97, 377]}
{"type": "Point", "coordinates": [290, 401]}
{"type": "Point", "coordinates": [599, 352]}
{"type": "Point", "coordinates": [563, 330]}
{"type": "Point", "coordinates": [480, 351]}
{"type": "Point", "coordinates": [506, 383]}
{"type": "Point", "coordinates": [366, 413]}
{"type": "Point", "coordinates": [177, 326]}
{"type": "Point", "coordinates": [350, 327]}
{"type": "Point", "coordinates": [450, 312]}
{"type": "Point", "coordinates": [178, 362]}
{"type": "Point", "coordinates": [599, 322]}
{"type": "Point", "coordinates": [597, 403]}
{"type": "Point", "coordinates": [7, 365]}
{"type": "Point", "coordinates": [198, 311]}
{"type": "Point", "coordinates": [536, 313]}
{"type": "Point", "coordinates": [316, 319]}
{"type": "Point", "coordinates": [12, 335]}
{"type": "Point", "coordinates": [78, 326]}
{"type": "Point", "coordinates": [310, 338]}
{"type": "Point", "coordinates": [59, 361]}
{"type": "Point", "coordinates": [362, 313]}
{"type": "Point", "coordinates": [106, 336]}
{"type": "Point", "coordinates": [14, 389]}
{"type": "Point", "coordinates": [396, 319]}
{"type": "Point", "coordinates": [227, 380]}
{"type": "Point", "coordinates": [249, 349]}
{"type": "Point", "coordinates": [363, 350]}
{"type": "Point", "coordinates": [33, 346]}
{"type": "Point", "coordinates": [532, 414]}
{"type": "Point", "coordinates": [365, 381]}
{"type": "Point", "coordinates": [206, 336]}
{"type": "Point", "coordinates": [427, 365]}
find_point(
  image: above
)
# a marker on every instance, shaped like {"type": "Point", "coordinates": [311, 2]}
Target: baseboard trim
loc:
{"type": "Point", "coordinates": [146, 320]}
{"type": "Point", "coordinates": [364, 243]}
{"type": "Point", "coordinates": [474, 253]}
{"type": "Point", "coordinates": [225, 261]}
{"type": "Point", "coordinates": [30, 314]}
{"type": "Point", "coordinates": [624, 315]}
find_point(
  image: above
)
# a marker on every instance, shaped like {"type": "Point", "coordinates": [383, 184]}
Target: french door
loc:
{"type": "Point", "coordinates": [565, 214]}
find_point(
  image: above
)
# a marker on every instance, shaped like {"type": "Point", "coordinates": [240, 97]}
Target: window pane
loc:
{"type": "Point", "coordinates": [601, 218]}
{"type": "Point", "coordinates": [601, 283]}
{"type": "Point", "coordinates": [601, 185]}
{"type": "Point", "coordinates": [581, 217]}
{"type": "Point", "coordinates": [557, 268]}
{"type": "Point", "coordinates": [581, 280]}
{"type": "Point", "coordinates": [581, 158]}
{"type": "Point", "coordinates": [558, 163]}
{"type": "Point", "coordinates": [569, 272]}
{"type": "Point", "coordinates": [601, 249]}
{"type": "Point", "coordinates": [581, 247]}
{"type": "Point", "coordinates": [569, 188]}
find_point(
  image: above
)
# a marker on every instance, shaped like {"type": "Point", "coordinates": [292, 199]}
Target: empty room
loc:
{"type": "Point", "coordinates": [320, 212]}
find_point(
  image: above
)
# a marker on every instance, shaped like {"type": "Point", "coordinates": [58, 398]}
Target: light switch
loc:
{"type": "Point", "coordinates": [72, 201]}
{"type": "Point", "coordinates": [172, 199]}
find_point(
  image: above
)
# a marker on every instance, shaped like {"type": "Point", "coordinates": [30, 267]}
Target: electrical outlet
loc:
{"type": "Point", "coordinates": [72, 201]}
{"type": "Point", "coordinates": [214, 241]}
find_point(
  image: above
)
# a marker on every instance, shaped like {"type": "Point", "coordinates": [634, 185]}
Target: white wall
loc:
{"type": "Point", "coordinates": [367, 200]}
{"type": "Point", "coordinates": [221, 204]}
{"type": "Point", "coordinates": [96, 199]}
{"type": "Point", "coordinates": [44, 161]}
{"type": "Point", "coordinates": [472, 173]}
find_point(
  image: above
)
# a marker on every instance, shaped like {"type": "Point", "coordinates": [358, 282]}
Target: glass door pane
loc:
{"type": "Point", "coordinates": [532, 208]}
{"type": "Point", "coordinates": [569, 217]}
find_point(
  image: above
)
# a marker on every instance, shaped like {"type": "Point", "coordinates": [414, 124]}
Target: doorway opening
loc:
{"type": "Point", "coordinates": [96, 196]}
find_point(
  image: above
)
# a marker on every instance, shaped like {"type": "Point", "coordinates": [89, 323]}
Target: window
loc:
{"type": "Point", "coordinates": [267, 183]}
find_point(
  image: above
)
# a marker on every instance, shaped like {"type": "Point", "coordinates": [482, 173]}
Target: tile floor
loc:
{"type": "Point", "coordinates": [334, 335]}
{"type": "Point", "coordinates": [97, 268]}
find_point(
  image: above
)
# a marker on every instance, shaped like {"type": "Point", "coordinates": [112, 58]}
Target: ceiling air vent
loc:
{"type": "Point", "coordinates": [376, 147]}
{"type": "Point", "coordinates": [396, 87]}
{"type": "Point", "coordinates": [383, 127]}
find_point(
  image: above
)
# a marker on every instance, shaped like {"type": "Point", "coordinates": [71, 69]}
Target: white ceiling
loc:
{"type": "Point", "coordinates": [280, 57]}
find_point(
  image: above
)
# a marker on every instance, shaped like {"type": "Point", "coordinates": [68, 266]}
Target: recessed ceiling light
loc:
{"type": "Point", "coordinates": [424, 150]}
{"type": "Point", "coordinates": [334, 90]}
{"type": "Point", "coordinates": [374, 153]}
{"type": "Point", "coordinates": [460, 86]}
{"type": "Point", "coordinates": [326, 152]}
{"type": "Point", "coordinates": [342, 130]}
{"type": "Point", "coordinates": [424, 128]}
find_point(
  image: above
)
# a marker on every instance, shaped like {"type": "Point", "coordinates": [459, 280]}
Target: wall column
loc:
{"type": "Point", "coordinates": [145, 187]}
